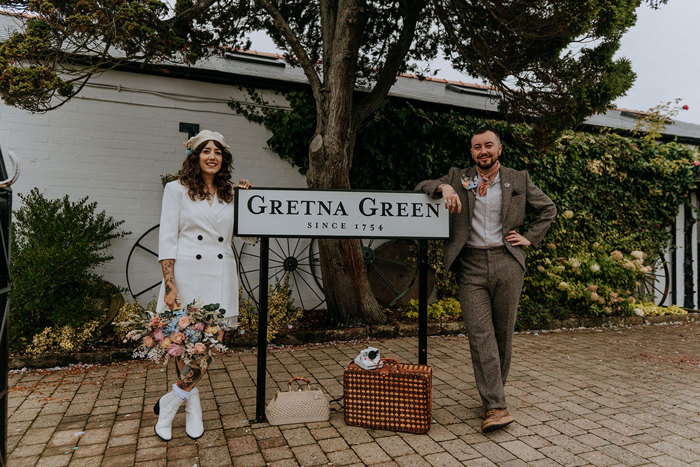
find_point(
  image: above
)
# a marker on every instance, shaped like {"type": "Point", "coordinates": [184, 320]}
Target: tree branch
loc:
{"type": "Point", "coordinates": [194, 10]}
{"type": "Point", "coordinates": [329, 15]}
{"type": "Point", "coordinates": [395, 59]}
{"type": "Point", "coordinates": [296, 46]}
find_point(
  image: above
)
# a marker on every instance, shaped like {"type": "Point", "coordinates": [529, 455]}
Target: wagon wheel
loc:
{"type": "Point", "coordinates": [391, 273]}
{"type": "Point", "coordinates": [657, 284]}
{"type": "Point", "coordinates": [296, 256]}
{"type": "Point", "coordinates": [142, 266]}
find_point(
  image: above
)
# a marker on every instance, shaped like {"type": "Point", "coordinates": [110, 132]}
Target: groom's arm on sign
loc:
{"type": "Point", "coordinates": [444, 187]}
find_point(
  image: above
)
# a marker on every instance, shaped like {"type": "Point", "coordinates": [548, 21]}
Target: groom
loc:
{"type": "Point", "coordinates": [488, 203]}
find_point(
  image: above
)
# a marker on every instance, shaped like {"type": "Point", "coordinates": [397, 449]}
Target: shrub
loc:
{"type": "Point", "coordinates": [445, 308]}
{"type": "Point", "coordinates": [130, 317]}
{"type": "Point", "coordinates": [652, 309]}
{"type": "Point", "coordinates": [65, 338]}
{"type": "Point", "coordinates": [56, 245]}
{"type": "Point", "coordinates": [282, 314]}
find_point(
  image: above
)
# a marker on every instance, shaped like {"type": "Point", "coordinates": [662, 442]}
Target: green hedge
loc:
{"type": "Point", "coordinates": [613, 193]}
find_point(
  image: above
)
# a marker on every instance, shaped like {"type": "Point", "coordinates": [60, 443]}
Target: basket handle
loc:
{"type": "Point", "coordinates": [299, 378]}
{"type": "Point", "coordinates": [391, 361]}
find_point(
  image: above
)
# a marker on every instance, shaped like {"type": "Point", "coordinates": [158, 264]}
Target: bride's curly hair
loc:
{"type": "Point", "coordinates": [191, 174]}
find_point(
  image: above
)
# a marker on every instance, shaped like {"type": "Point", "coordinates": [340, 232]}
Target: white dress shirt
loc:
{"type": "Point", "coordinates": [487, 220]}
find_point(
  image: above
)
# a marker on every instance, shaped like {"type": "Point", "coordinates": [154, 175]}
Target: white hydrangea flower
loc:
{"type": "Point", "coordinates": [594, 267]}
{"type": "Point", "coordinates": [638, 254]}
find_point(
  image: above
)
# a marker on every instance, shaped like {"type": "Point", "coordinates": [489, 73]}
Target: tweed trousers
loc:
{"type": "Point", "coordinates": [490, 282]}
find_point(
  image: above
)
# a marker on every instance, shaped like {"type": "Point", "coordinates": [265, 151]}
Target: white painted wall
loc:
{"type": "Point", "coordinates": [113, 144]}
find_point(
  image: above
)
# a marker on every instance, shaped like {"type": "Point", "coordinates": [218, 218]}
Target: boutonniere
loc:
{"type": "Point", "coordinates": [470, 184]}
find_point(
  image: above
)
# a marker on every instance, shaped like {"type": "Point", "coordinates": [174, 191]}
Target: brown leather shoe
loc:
{"type": "Point", "coordinates": [495, 419]}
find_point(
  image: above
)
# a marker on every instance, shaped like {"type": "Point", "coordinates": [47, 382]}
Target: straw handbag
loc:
{"type": "Point", "coordinates": [301, 406]}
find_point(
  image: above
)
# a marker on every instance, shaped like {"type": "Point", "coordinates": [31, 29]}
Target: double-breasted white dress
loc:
{"type": "Point", "coordinates": [199, 238]}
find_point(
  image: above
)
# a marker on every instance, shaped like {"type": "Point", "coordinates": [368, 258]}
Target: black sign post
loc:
{"type": "Point", "coordinates": [262, 330]}
{"type": "Point", "coordinates": [382, 211]}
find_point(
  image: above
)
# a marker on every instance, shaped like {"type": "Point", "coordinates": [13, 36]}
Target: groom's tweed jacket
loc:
{"type": "Point", "coordinates": [518, 193]}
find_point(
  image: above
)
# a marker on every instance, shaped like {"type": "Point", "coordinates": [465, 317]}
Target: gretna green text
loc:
{"type": "Point", "coordinates": [368, 207]}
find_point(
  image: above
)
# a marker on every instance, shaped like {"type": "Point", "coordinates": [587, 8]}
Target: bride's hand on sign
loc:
{"type": "Point", "coordinates": [245, 184]}
{"type": "Point", "coordinates": [452, 202]}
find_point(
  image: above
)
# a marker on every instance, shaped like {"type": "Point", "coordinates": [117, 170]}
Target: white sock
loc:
{"type": "Point", "coordinates": [182, 394]}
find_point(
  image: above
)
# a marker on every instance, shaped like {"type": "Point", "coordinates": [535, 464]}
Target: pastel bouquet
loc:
{"type": "Point", "coordinates": [190, 334]}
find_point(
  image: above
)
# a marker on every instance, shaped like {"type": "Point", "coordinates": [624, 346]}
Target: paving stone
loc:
{"type": "Point", "coordinates": [522, 450]}
{"type": "Point", "coordinates": [95, 461]}
{"type": "Point", "coordinates": [442, 458]}
{"type": "Point", "coordinates": [333, 444]}
{"type": "Point", "coordinates": [460, 449]}
{"type": "Point", "coordinates": [422, 444]}
{"type": "Point", "coordinates": [561, 456]}
{"type": "Point", "coordinates": [298, 437]}
{"type": "Point", "coordinates": [581, 410]}
{"type": "Point", "coordinates": [493, 451]}
{"type": "Point", "coordinates": [395, 446]}
{"type": "Point", "coordinates": [278, 453]}
{"type": "Point", "coordinates": [118, 461]}
{"type": "Point", "coordinates": [676, 452]}
{"type": "Point", "coordinates": [413, 460]}
{"type": "Point", "coordinates": [310, 454]}
{"type": "Point", "coordinates": [243, 445]}
{"type": "Point", "coordinates": [598, 458]}
{"type": "Point", "coordinates": [217, 456]}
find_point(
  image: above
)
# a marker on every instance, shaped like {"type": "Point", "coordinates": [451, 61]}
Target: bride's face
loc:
{"type": "Point", "coordinates": [210, 159]}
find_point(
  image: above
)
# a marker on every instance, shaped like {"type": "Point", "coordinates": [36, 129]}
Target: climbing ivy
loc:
{"type": "Point", "coordinates": [615, 195]}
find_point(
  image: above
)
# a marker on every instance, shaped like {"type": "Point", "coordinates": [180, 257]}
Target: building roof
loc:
{"type": "Point", "coordinates": [269, 70]}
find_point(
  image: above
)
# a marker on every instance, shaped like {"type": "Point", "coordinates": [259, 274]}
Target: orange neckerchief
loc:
{"type": "Point", "coordinates": [487, 177]}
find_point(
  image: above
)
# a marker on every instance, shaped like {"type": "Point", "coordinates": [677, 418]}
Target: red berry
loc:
{"type": "Point", "coordinates": [685, 107]}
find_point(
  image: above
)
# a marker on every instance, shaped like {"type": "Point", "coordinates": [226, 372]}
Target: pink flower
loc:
{"type": "Point", "coordinates": [177, 337]}
{"type": "Point", "coordinates": [183, 322]}
{"type": "Point", "coordinates": [685, 107]}
{"type": "Point", "coordinates": [696, 163]}
{"type": "Point", "coordinates": [174, 350]}
{"type": "Point", "coordinates": [200, 348]}
{"type": "Point", "coordinates": [199, 326]}
{"type": "Point", "coordinates": [158, 335]}
{"type": "Point", "coordinates": [148, 341]}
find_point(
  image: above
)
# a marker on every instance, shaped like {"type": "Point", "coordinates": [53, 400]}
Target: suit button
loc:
{"type": "Point", "coordinates": [199, 237]}
{"type": "Point", "coordinates": [220, 256]}
{"type": "Point", "coordinates": [198, 256]}
{"type": "Point", "coordinates": [221, 239]}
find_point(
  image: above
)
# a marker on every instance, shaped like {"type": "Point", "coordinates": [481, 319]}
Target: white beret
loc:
{"type": "Point", "coordinates": [206, 135]}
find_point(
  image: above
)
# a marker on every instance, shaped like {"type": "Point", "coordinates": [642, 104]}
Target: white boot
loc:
{"type": "Point", "coordinates": [166, 408]}
{"type": "Point", "coordinates": [194, 427]}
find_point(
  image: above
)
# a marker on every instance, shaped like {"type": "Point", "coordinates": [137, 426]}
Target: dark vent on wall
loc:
{"type": "Point", "coordinates": [190, 128]}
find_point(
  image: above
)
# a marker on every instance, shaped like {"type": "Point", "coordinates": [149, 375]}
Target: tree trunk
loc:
{"type": "Point", "coordinates": [349, 297]}
{"type": "Point", "coordinates": [348, 294]}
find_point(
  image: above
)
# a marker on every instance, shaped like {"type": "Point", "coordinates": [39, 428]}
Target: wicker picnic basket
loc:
{"type": "Point", "coordinates": [396, 397]}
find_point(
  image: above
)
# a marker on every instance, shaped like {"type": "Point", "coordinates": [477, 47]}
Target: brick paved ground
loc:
{"type": "Point", "coordinates": [588, 397]}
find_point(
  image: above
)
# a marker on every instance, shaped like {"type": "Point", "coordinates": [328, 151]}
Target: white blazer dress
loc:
{"type": "Point", "coordinates": [199, 238]}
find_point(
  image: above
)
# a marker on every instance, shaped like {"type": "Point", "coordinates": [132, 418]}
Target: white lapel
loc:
{"type": "Point", "coordinates": [209, 214]}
